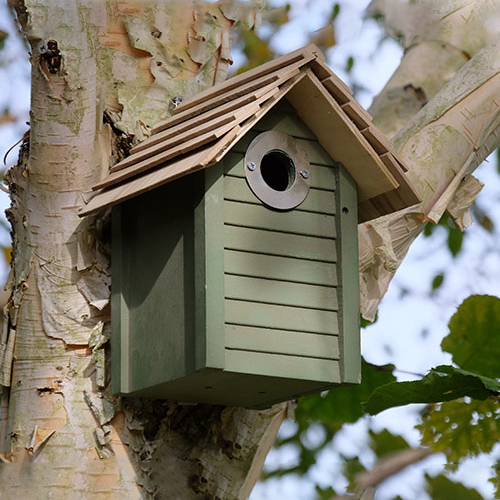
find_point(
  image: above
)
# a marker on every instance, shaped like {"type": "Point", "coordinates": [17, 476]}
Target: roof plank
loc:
{"type": "Point", "coordinates": [357, 114]}
{"type": "Point", "coordinates": [340, 137]}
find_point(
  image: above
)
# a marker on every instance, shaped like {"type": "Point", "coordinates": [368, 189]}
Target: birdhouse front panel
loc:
{"type": "Point", "coordinates": [283, 268]}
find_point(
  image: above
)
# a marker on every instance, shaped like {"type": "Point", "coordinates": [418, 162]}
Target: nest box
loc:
{"type": "Point", "coordinates": [234, 239]}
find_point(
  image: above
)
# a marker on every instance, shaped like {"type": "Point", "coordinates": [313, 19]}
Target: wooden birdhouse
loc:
{"type": "Point", "coordinates": [234, 240]}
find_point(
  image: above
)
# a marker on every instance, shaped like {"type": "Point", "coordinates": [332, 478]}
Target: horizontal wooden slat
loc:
{"type": "Point", "coordinates": [280, 292]}
{"type": "Point", "coordinates": [321, 177]}
{"type": "Point", "coordinates": [275, 243]}
{"type": "Point", "coordinates": [315, 152]}
{"type": "Point", "coordinates": [230, 106]}
{"type": "Point", "coordinates": [277, 365]}
{"type": "Point", "coordinates": [317, 200]}
{"type": "Point", "coordinates": [298, 319]}
{"type": "Point", "coordinates": [297, 222]}
{"type": "Point", "coordinates": [280, 268]}
{"type": "Point", "coordinates": [299, 57]}
{"type": "Point", "coordinates": [247, 338]}
{"type": "Point", "coordinates": [275, 78]}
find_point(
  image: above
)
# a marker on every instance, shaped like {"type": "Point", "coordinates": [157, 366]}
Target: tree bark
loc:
{"type": "Point", "coordinates": [102, 74]}
{"type": "Point", "coordinates": [444, 96]}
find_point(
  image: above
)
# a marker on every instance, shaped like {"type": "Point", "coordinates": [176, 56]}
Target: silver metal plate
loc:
{"type": "Point", "coordinates": [277, 170]}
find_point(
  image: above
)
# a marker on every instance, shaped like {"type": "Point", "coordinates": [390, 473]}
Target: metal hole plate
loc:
{"type": "Point", "coordinates": [274, 141]}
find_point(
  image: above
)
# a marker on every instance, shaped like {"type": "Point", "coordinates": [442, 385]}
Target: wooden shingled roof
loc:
{"type": "Point", "coordinates": [204, 127]}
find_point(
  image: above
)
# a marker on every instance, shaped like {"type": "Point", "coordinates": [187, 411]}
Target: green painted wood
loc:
{"type": "Point", "coordinates": [119, 324]}
{"type": "Point", "coordinates": [280, 292]}
{"type": "Point", "coordinates": [209, 268]}
{"type": "Point", "coordinates": [284, 122]}
{"type": "Point", "coordinates": [277, 365]}
{"type": "Point", "coordinates": [285, 106]}
{"type": "Point", "coordinates": [322, 177]}
{"type": "Point", "coordinates": [296, 319]}
{"type": "Point", "coordinates": [260, 217]}
{"type": "Point", "coordinates": [233, 389]}
{"type": "Point", "coordinates": [312, 345]}
{"type": "Point", "coordinates": [158, 290]}
{"type": "Point", "coordinates": [347, 246]}
{"type": "Point", "coordinates": [276, 243]}
{"type": "Point", "coordinates": [315, 152]}
{"type": "Point", "coordinates": [317, 200]}
{"type": "Point", "coordinates": [280, 268]}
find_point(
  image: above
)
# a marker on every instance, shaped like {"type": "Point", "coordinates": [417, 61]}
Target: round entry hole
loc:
{"type": "Point", "coordinates": [277, 170]}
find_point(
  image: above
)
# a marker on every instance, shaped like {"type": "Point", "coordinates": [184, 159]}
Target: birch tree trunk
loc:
{"type": "Point", "coordinates": [103, 72]}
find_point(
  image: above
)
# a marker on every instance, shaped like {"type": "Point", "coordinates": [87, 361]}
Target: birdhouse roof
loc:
{"type": "Point", "coordinates": [204, 127]}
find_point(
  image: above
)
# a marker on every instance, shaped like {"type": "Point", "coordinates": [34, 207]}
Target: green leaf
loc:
{"type": "Point", "coordinates": [349, 64]}
{"type": "Point", "coordinates": [455, 239]}
{"type": "Point", "coordinates": [474, 338]}
{"type": "Point", "coordinates": [343, 404]}
{"type": "Point", "coordinates": [385, 443]}
{"type": "Point", "coordinates": [437, 281]}
{"type": "Point", "coordinates": [461, 428]}
{"type": "Point", "coordinates": [325, 493]}
{"type": "Point", "coordinates": [429, 229]}
{"type": "Point", "coordinates": [335, 12]}
{"type": "Point", "coordinates": [441, 488]}
{"type": "Point", "coordinates": [443, 383]}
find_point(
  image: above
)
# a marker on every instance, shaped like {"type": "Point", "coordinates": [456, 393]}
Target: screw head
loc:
{"type": "Point", "coordinates": [177, 100]}
{"type": "Point", "coordinates": [251, 166]}
{"type": "Point", "coordinates": [304, 174]}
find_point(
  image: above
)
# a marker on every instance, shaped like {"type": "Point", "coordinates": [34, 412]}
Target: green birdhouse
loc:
{"type": "Point", "coordinates": [234, 239]}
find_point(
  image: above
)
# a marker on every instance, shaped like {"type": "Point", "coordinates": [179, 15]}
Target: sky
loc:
{"type": "Point", "coordinates": [412, 321]}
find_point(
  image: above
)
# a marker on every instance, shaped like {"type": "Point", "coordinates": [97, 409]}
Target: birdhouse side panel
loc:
{"type": "Point", "coordinates": [154, 287]}
{"type": "Point", "coordinates": [281, 306]}
{"type": "Point", "coordinates": [348, 273]}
